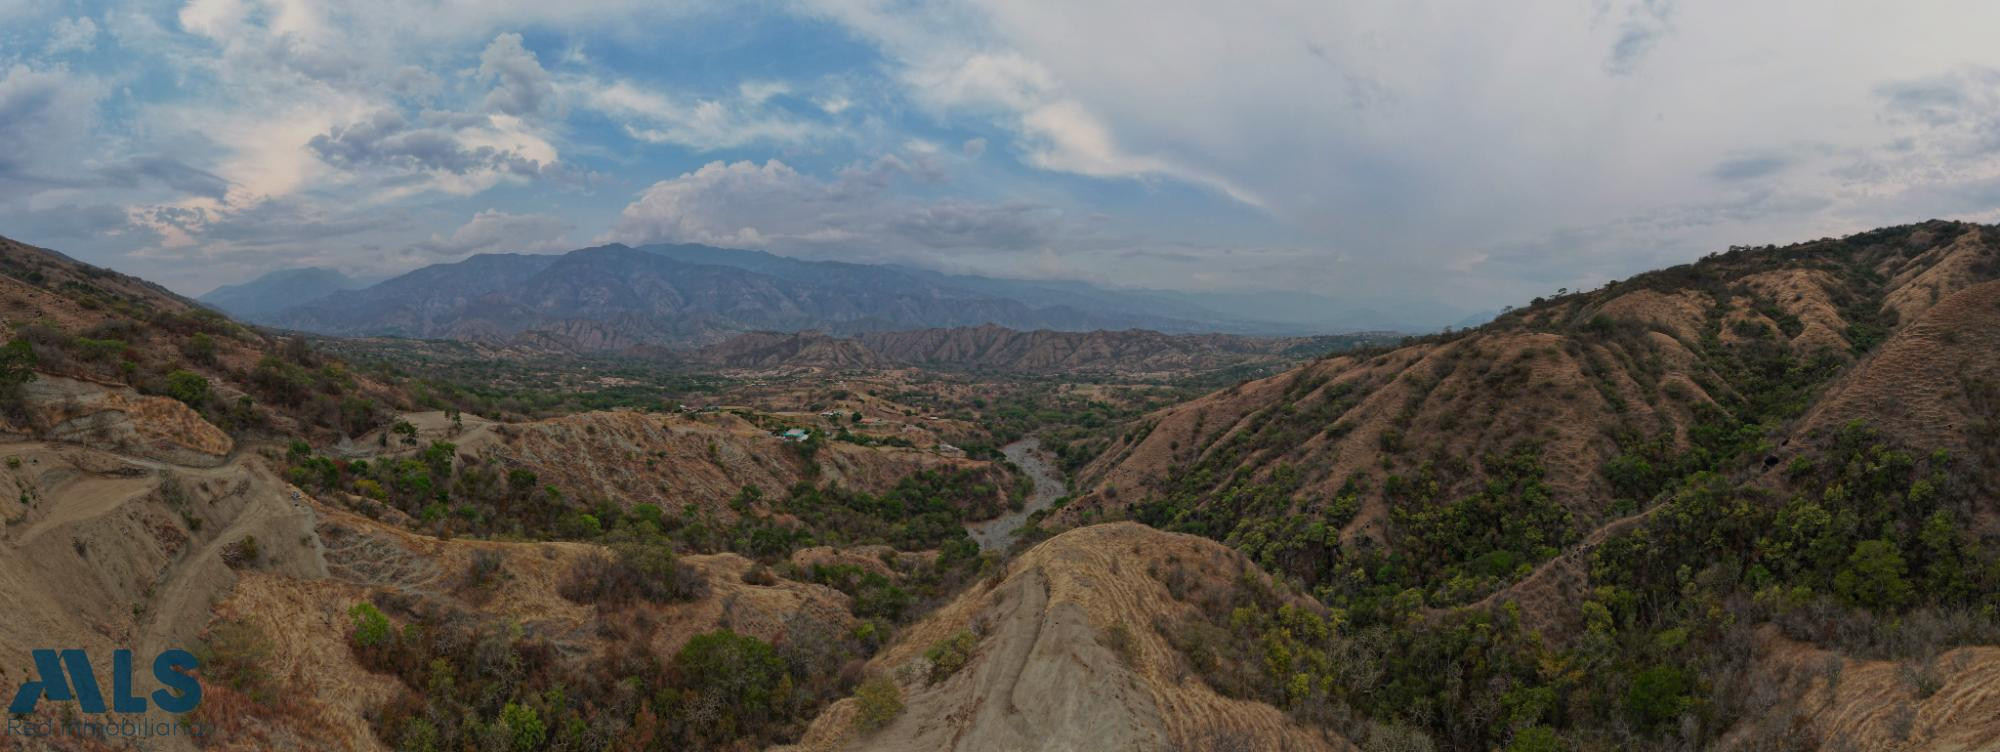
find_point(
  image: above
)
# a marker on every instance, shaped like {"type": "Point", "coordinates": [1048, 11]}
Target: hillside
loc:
{"type": "Point", "coordinates": [1596, 467]}
{"type": "Point", "coordinates": [670, 461]}
{"type": "Point", "coordinates": [125, 336]}
{"type": "Point", "coordinates": [999, 349]}
{"type": "Point", "coordinates": [1059, 652]}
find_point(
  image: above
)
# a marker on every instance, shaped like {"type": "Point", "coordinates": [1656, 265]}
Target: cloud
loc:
{"type": "Point", "coordinates": [72, 35]}
{"type": "Point", "coordinates": [492, 230]}
{"type": "Point", "coordinates": [1056, 132]}
{"type": "Point", "coordinates": [68, 222]}
{"type": "Point", "coordinates": [702, 124]}
{"type": "Point", "coordinates": [440, 144]}
{"type": "Point", "coordinates": [165, 171]}
{"type": "Point", "coordinates": [1063, 136]}
{"type": "Point", "coordinates": [521, 87]}
{"type": "Point", "coordinates": [957, 224]}
{"type": "Point", "coordinates": [834, 105]}
{"type": "Point", "coordinates": [45, 116]}
{"type": "Point", "coordinates": [1350, 148]}
{"type": "Point", "coordinates": [1749, 167]}
{"type": "Point", "coordinates": [1957, 112]}
{"type": "Point", "coordinates": [1645, 23]}
{"type": "Point", "coordinates": [773, 206]}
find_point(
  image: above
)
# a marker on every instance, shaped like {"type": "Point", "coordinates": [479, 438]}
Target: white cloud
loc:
{"type": "Point", "coordinates": [1065, 137]}
{"type": "Point", "coordinates": [1397, 139]}
{"type": "Point", "coordinates": [834, 105]}
{"type": "Point", "coordinates": [497, 231]}
{"type": "Point", "coordinates": [72, 35]}
{"type": "Point", "coordinates": [703, 125]}
{"type": "Point", "coordinates": [521, 86]}
{"type": "Point", "coordinates": [46, 119]}
{"type": "Point", "coordinates": [1478, 150]}
{"type": "Point", "coordinates": [1056, 132]}
{"type": "Point", "coordinates": [773, 206]}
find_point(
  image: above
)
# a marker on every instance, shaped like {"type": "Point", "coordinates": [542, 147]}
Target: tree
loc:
{"type": "Point", "coordinates": [1657, 695]}
{"type": "Point", "coordinates": [1874, 576]}
{"type": "Point", "coordinates": [17, 367]}
{"type": "Point", "coordinates": [1535, 739]}
{"type": "Point", "coordinates": [524, 726]}
{"type": "Point", "coordinates": [738, 674]}
{"type": "Point", "coordinates": [188, 387]}
{"type": "Point", "coordinates": [200, 348]}
{"type": "Point", "coordinates": [371, 628]}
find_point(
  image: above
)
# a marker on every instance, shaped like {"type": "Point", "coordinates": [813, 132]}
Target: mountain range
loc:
{"type": "Point", "coordinates": [266, 296]}
{"type": "Point", "coordinates": [615, 298]}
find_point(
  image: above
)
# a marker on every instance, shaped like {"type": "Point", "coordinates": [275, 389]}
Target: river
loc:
{"type": "Point", "coordinates": [998, 533]}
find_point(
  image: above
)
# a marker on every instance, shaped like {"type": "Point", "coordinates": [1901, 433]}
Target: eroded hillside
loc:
{"type": "Point", "coordinates": [1061, 651]}
{"type": "Point", "coordinates": [1778, 435]}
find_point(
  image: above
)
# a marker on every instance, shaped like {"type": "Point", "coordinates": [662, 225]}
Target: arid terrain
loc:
{"type": "Point", "coordinates": [1743, 504]}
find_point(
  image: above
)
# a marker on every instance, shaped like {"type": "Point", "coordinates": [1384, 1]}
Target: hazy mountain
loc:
{"type": "Point", "coordinates": [262, 298]}
{"type": "Point", "coordinates": [543, 299]}
{"type": "Point", "coordinates": [616, 297]}
{"type": "Point", "coordinates": [1143, 308]}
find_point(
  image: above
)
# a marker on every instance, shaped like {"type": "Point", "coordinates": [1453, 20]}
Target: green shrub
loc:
{"type": "Point", "coordinates": [238, 655]}
{"type": "Point", "coordinates": [879, 701]}
{"type": "Point", "coordinates": [950, 654]}
{"type": "Point", "coordinates": [524, 726]}
{"type": "Point", "coordinates": [1535, 739]}
{"type": "Point", "coordinates": [1874, 577]}
{"type": "Point", "coordinates": [371, 628]}
{"type": "Point", "coordinates": [1658, 695]}
{"type": "Point", "coordinates": [644, 571]}
{"type": "Point", "coordinates": [739, 675]}
{"type": "Point", "coordinates": [1121, 642]}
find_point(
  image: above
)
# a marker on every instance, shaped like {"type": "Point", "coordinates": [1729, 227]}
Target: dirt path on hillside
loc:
{"type": "Point", "coordinates": [998, 533]}
{"type": "Point", "coordinates": [242, 497]}
{"type": "Point", "coordinates": [86, 499]}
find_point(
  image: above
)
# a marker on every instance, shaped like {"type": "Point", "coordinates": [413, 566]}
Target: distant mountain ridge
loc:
{"type": "Point", "coordinates": [276, 291]}
{"type": "Point", "coordinates": [617, 298]}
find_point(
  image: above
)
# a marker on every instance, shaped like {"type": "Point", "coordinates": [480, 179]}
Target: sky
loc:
{"type": "Point", "coordinates": [1449, 154]}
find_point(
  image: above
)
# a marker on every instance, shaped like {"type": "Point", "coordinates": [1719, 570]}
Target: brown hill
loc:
{"type": "Point", "coordinates": [92, 324]}
{"type": "Point", "coordinates": [1042, 351]}
{"type": "Point", "coordinates": [308, 625]}
{"type": "Point", "coordinates": [1597, 469]}
{"type": "Point", "coordinates": [766, 350]}
{"type": "Point", "coordinates": [669, 460]}
{"type": "Point", "coordinates": [1583, 378]}
{"type": "Point", "coordinates": [1061, 652]}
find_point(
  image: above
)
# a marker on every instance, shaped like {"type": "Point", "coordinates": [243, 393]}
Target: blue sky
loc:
{"type": "Point", "coordinates": [1416, 153]}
